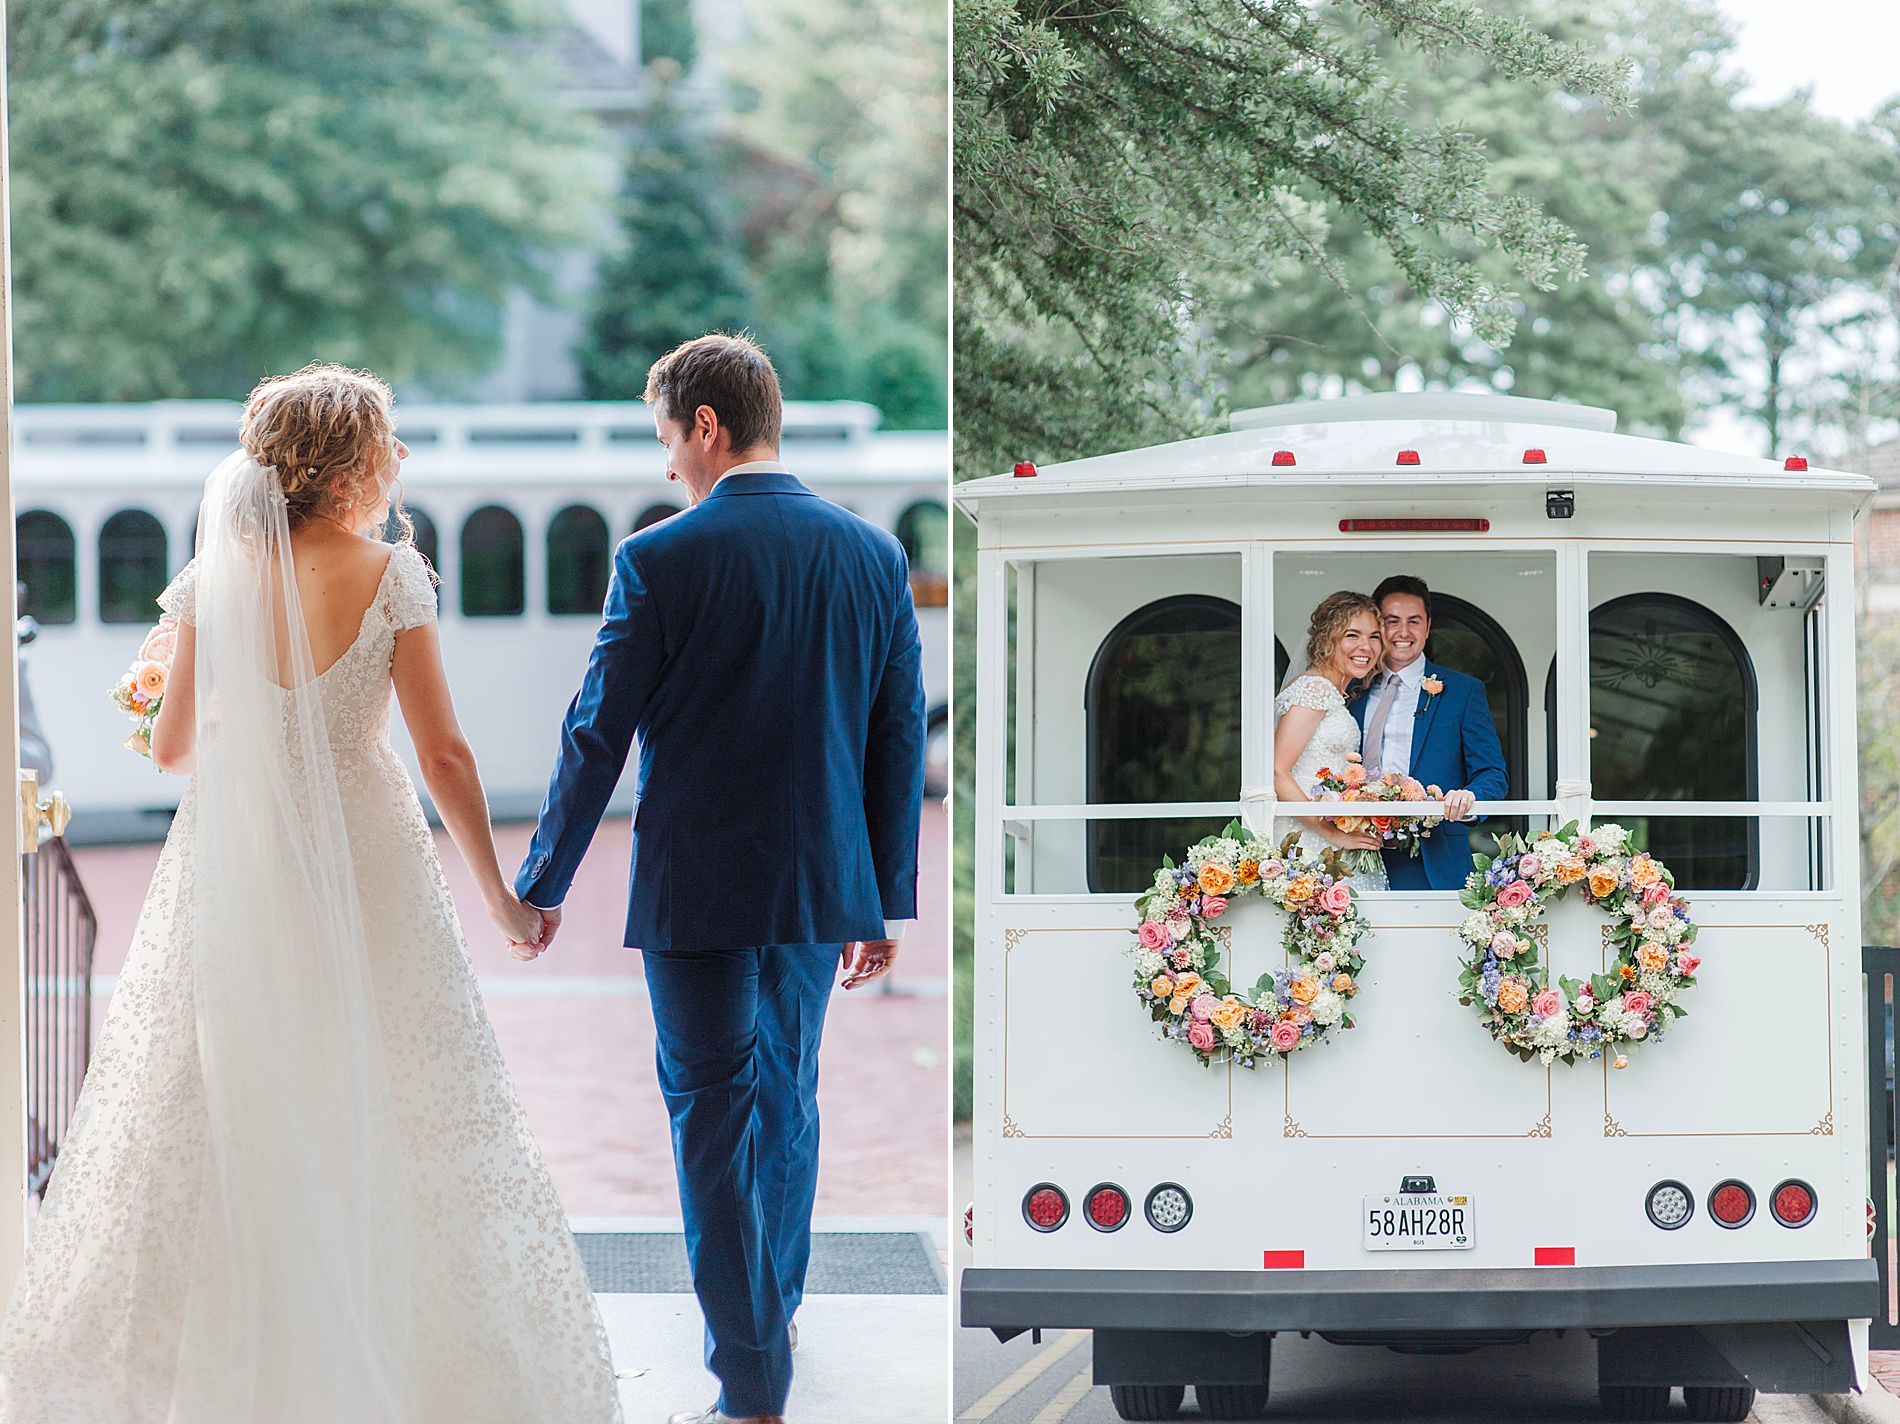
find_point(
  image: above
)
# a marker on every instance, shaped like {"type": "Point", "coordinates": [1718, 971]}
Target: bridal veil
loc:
{"type": "Point", "coordinates": [299, 1302]}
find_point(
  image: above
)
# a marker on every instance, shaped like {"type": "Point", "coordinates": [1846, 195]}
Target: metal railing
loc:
{"type": "Point", "coordinates": [60, 932]}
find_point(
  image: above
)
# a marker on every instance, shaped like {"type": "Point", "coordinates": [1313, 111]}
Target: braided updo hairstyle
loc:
{"type": "Point", "coordinates": [329, 434]}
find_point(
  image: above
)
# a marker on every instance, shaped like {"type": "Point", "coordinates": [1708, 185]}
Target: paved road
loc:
{"type": "Point", "coordinates": [1548, 1381]}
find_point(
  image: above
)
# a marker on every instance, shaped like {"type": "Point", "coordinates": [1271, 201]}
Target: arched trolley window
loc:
{"type": "Point", "coordinates": [924, 531]}
{"type": "Point", "coordinates": [132, 567]}
{"type": "Point", "coordinates": [1672, 718]}
{"type": "Point", "coordinates": [579, 555]}
{"type": "Point", "coordinates": [653, 514]}
{"type": "Point", "coordinates": [492, 574]}
{"type": "Point", "coordinates": [427, 543]}
{"type": "Point", "coordinates": [1466, 639]}
{"type": "Point", "coordinates": [47, 554]}
{"type": "Point", "coordinates": [1163, 724]}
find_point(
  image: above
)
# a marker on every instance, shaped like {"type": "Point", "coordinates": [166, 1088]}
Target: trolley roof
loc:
{"type": "Point", "coordinates": [1462, 442]}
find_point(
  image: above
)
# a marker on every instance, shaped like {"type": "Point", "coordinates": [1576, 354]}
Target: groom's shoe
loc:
{"type": "Point", "coordinates": [713, 1416]}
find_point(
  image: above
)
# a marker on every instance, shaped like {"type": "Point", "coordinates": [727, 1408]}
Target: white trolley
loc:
{"type": "Point", "coordinates": [1666, 636]}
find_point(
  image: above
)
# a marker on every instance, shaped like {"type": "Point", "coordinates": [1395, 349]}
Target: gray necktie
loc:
{"type": "Point", "coordinates": [1373, 752]}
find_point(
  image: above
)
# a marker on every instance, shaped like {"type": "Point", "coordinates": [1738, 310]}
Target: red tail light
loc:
{"type": "Point", "coordinates": [1732, 1203]}
{"type": "Point", "coordinates": [1792, 1204]}
{"type": "Point", "coordinates": [1283, 457]}
{"type": "Point", "coordinates": [1106, 1207]}
{"type": "Point", "coordinates": [1045, 1207]}
{"type": "Point", "coordinates": [969, 1224]}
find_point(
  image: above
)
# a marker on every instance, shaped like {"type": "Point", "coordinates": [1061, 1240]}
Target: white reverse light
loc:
{"type": "Point", "coordinates": [1670, 1204]}
{"type": "Point", "coordinates": [1169, 1207]}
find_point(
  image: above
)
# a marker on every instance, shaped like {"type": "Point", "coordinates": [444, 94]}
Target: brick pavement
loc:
{"type": "Point", "coordinates": [583, 1064]}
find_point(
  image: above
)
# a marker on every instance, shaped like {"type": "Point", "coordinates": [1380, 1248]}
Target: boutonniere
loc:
{"type": "Point", "coordinates": [1431, 687]}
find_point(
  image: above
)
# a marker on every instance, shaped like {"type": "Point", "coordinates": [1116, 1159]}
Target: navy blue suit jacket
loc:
{"type": "Point", "coordinates": [1454, 747]}
{"type": "Point", "coordinates": [762, 648]}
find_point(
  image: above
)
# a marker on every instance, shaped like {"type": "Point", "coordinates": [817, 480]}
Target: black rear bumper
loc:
{"type": "Point", "coordinates": [1538, 1298]}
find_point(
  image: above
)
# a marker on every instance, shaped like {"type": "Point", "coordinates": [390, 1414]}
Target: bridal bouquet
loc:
{"type": "Point", "coordinates": [1355, 784]}
{"type": "Point", "coordinates": [141, 691]}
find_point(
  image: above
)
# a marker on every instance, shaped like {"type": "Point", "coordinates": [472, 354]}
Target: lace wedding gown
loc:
{"type": "Point", "coordinates": [504, 1328]}
{"type": "Point", "coordinates": [1337, 735]}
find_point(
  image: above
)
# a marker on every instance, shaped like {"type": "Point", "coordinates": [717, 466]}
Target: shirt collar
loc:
{"type": "Point", "coordinates": [756, 467]}
{"type": "Point", "coordinates": [1411, 675]}
{"type": "Point", "coordinates": [757, 477]}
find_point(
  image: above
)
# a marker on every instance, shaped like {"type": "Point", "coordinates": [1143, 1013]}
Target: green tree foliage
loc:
{"type": "Point", "coordinates": [679, 272]}
{"type": "Point", "coordinates": [208, 190]}
{"type": "Point", "coordinates": [666, 32]}
{"type": "Point", "coordinates": [1125, 168]}
{"type": "Point", "coordinates": [849, 215]}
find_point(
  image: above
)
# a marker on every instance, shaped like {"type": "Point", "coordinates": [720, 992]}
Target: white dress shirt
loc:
{"type": "Point", "coordinates": [1395, 751]}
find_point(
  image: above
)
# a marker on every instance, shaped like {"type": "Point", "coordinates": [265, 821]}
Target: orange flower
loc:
{"type": "Point", "coordinates": [1381, 824]}
{"type": "Point", "coordinates": [1629, 971]}
{"type": "Point", "coordinates": [1653, 958]}
{"type": "Point", "coordinates": [1602, 882]}
{"type": "Point", "coordinates": [1162, 988]}
{"type": "Point", "coordinates": [1353, 775]}
{"type": "Point", "coordinates": [1351, 824]}
{"type": "Point", "coordinates": [1512, 996]}
{"type": "Point", "coordinates": [1303, 888]}
{"type": "Point", "coordinates": [151, 680]}
{"type": "Point", "coordinates": [1304, 989]}
{"type": "Point", "coordinates": [1342, 983]}
{"type": "Point", "coordinates": [1570, 870]}
{"type": "Point", "coordinates": [1216, 879]}
{"type": "Point", "coordinates": [1229, 1014]}
{"type": "Point", "coordinates": [1249, 871]}
{"type": "Point", "coordinates": [1643, 872]}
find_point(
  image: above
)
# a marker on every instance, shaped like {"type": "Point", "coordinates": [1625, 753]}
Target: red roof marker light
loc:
{"type": "Point", "coordinates": [1534, 457]}
{"type": "Point", "coordinates": [1283, 457]}
{"type": "Point", "coordinates": [1414, 526]}
{"type": "Point", "coordinates": [1797, 463]}
{"type": "Point", "coordinates": [1025, 470]}
{"type": "Point", "coordinates": [1408, 457]}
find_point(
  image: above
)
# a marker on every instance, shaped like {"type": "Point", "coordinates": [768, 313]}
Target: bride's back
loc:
{"type": "Point", "coordinates": [337, 577]}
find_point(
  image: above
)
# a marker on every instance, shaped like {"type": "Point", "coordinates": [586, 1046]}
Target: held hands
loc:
{"type": "Point", "coordinates": [523, 926]}
{"type": "Point", "coordinates": [868, 959]}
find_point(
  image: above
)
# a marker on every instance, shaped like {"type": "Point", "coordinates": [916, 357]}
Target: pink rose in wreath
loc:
{"type": "Point", "coordinates": [1154, 935]}
{"type": "Point", "coordinates": [1201, 1035]}
{"type": "Point", "coordinates": [1203, 1007]}
{"type": "Point", "coordinates": [1687, 963]}
{"type": "Point", "coordinates": [1270, 869]}
{"type": "Point", "coordinates": [1213, 906]}
{"type": "Point", "coordinates": [1530, 867]}
{"type": "Point", "coordinates": [1547, 1002]}
{"type": "Point", "coordinates": [1285, 1035]}
{"type": "Point", "coordinates": [1336, 898]}
{"type": "Point", "coordinates": [1655, 893]}
{"type": "Point", "coordinates": [1515, 894]}
{"type": "Point", "coordinates": [1637, 1001]}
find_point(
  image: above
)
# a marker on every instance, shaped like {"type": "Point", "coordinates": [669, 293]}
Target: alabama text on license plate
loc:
{"type": "Point", "coordinates": [1420, 1221]}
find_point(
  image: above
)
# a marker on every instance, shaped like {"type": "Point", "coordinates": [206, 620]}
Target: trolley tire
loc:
{"type": "Point", "coordinates": [1725, 1402]}
{"type": "Point", "coordinates": [1634, 1401]}
{"type": "Point", "coordinates": [1231, 1401]}
{"type": "Point", "coordinates": [1148, 1401]}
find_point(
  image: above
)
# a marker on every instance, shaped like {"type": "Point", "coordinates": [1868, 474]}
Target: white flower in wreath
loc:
{"type": "Point", "coordinates": [1148, 964]}
{"type": "Point", "coordinates": [1553, 1031]}
{"type": "Point", "coordinates": [1611, 1017]}
{"type": "Point", "coordinates": [1164, 880]}
{"type": "Point", "coordinates": [1178, 930]}
{"type": "Point", "coordinates": [1477, 927]}
{"type": "Point", "coordinates": [1327, 1007]}
{"type": "Point", "coordinates": [1610, 838]}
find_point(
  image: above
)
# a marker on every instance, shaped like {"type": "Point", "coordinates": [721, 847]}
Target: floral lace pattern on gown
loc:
{"type": "Point", "coordinates": [1337, 735]}
{"type": "Point", "coordinates": [505, 1326]}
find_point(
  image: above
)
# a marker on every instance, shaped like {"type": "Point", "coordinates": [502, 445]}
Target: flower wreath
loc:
{"type": "Point", "coordinates": [1289, 1008]}
{"type": "Point", "coordinates": [1651, 929]}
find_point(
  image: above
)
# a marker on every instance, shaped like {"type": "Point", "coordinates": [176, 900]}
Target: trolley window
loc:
{"type": "Point", "coordinates": [492, 558]}
{"type": "Point", "coordinates": [47, 556]}
{"type": "Point", "coordinates": [132, 567]}
{"type": "Point", "coordinates": [579, 554]}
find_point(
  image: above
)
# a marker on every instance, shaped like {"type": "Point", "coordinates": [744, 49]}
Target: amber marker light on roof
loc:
{"type": "Point", "coordinates": [1414, 526]}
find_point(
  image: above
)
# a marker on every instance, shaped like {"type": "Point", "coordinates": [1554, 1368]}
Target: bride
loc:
{"type": "Point", "coordinates": [298, 1187]}
{"type": "Point", "coordinates": [1314, 729]}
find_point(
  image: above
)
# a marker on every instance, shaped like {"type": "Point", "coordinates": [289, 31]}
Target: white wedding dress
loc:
{"type": "Point", "coordinates": [1337, 735]}
{"type": "Point", "coordinates": [474, 1305]}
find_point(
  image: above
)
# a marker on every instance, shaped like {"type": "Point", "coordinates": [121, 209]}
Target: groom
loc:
{"type": "Point", "coordinates": [1434, 725]}
{"type": "Point", "coordinates": [762, 650]}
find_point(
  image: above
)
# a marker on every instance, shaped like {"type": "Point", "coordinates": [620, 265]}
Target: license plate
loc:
{"type": "Point", "coordinates": [1420, 1221]}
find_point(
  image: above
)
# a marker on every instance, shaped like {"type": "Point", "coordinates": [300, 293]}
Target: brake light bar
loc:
{"type": "Point", "coordinates": [1414, 526]}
